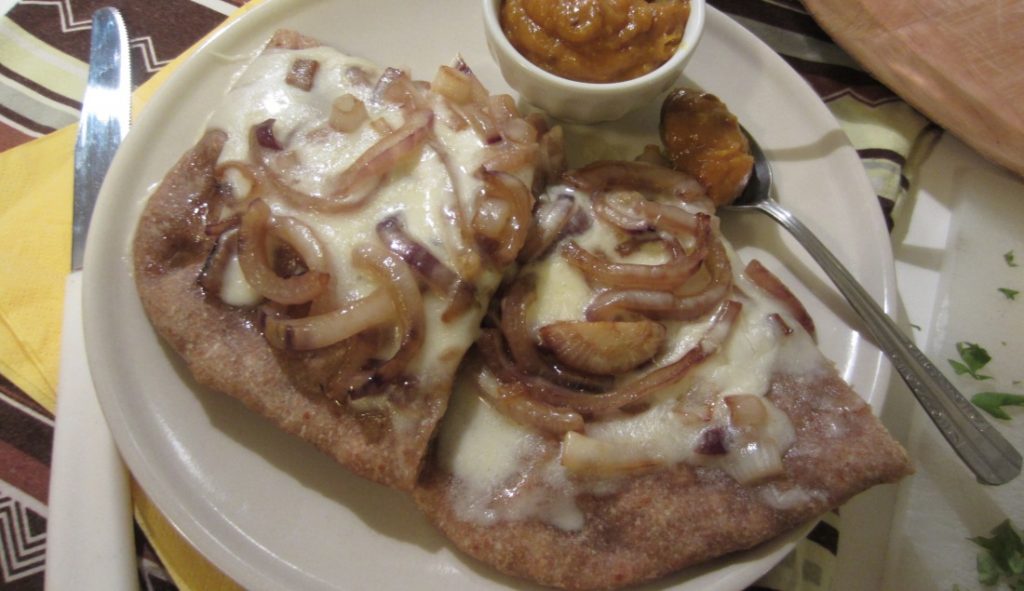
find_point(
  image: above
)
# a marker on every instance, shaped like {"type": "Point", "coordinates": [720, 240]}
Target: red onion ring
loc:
{"type": "Point", "coordinates": [322, 330]}
{"type": "Point", "coordinates": [770, 284]}
{"type": "Point", "coordinates": [252, 256]}
{"type": "Point", "coordinates": [608, 174]}
{"type": "Point", "coordinates": [508, 189]}
{"type": "Point", "coordinates": [396, 279]}
{"type": "Point", "coordinates": [438, 277]}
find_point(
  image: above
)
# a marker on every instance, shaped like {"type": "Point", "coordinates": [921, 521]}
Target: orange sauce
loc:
{"type": "Point", "coordinates": [595, 40]}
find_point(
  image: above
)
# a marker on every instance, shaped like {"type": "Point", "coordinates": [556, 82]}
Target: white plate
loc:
{"type": "Point", "coordinates": [271, 511]}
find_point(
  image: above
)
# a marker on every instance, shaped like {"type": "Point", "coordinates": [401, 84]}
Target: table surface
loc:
{"type": "Point", "coordinates": [911, 536]}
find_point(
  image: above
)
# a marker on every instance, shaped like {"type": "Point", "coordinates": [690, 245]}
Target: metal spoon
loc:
{"type": "Point", "coordinates": [992, 459]}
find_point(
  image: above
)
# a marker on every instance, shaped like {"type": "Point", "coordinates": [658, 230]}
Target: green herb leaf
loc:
{"type": "Point", "coordinates": [1003, 556]}
{"type": "Point", "coordinates": [974, 358]}
{"type": "Point", "coordinates": [1011, 294]}
{"type": "Point", "coordinates": [992, 402]}
{"type": "Point", "coordinates": [988, 570]}
{"type": "Point", "coordinates": [1009, 257]}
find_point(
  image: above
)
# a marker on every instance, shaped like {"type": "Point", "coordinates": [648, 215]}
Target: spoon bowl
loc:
{"type": "Point", "coordinates": [987, 453]}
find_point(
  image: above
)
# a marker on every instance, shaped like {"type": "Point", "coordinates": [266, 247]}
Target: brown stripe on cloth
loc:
{"type": "Point", "coordinates": [24, 472]}
{"type": "Point", "coordinates": [159, 31]}
{"type": "Point", "coordinates": [32, 85]}
{"type": "Point", "coordinates": [25, 122]}
{"type": "Point", "coordinates": [25, 432]}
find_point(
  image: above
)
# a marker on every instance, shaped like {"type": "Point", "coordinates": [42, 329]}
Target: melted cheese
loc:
{"type": "Point", "coordinates": [486, 451]}
{"type": "Point", "coordinates": [419, 191]}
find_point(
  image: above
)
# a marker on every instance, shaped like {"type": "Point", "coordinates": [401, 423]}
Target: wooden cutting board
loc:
{"type": "Point", "coordinates": [959, 62]}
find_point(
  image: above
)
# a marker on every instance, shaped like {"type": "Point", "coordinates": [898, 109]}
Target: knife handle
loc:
{"type": "Point", "coordinates": [90, 532]}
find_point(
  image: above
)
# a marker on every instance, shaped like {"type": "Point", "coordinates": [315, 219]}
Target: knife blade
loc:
{"type": "Point", "coordinates": [90, 531]}
{"type": "Point", "coordinates": [106, 112]}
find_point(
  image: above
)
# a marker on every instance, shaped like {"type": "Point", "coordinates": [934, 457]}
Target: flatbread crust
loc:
{"type": "Point", "coordinates": [382, 436]}
{"type": "Point", "coordinates": [664, 521]}
{"type": "Point", "coordinates": [224, 351]}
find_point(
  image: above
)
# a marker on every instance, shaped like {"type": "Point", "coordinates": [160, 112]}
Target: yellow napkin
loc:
{"type": "Point", "coordinates": [37, 182]}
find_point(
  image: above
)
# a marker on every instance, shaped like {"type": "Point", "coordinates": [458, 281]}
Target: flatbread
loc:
{"type": "Point", "coordinates": [373, 416]}
{"type": "Point", "coordinates": [634, 516]}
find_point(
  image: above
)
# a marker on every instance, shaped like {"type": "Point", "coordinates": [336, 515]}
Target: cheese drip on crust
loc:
{"type": "Point", "coordinates": [364, 213]}
{"type": "Point", "coordinates": [633, 341]}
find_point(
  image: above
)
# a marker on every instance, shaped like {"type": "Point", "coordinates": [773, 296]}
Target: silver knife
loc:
{"type": "Point", "coordinates": [90, 535]}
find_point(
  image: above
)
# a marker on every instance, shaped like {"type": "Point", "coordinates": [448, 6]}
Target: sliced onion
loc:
{"type": "Point", "coordinates": [322, 330]}
{"type": "Point", "coordinates": [508, 156]}
{"type": "Point", "coordinates": [779, 325]}
{"type": "Point", "coordinates": [263, 134]}
{"type": "Point", "coordinates": [452, 84]}
{"type": "Point", "coordinates": [658, 305]}
{"type": "Point", "coordinates": [246, 172]}
{"type": "Point", "coordinates": [754, 462]}
{"type": "Point", "coordinates": [514, 402]}
{"type": "Point", "coordinates": [356, 184]}
{"type": "Point", "coordinates": [508, 189]}
{"type": "Point", "coordinates": [665, 276]}
{"type": "Point", "coordinates": [631, 211]}
{"type": "Point", "coordinates": [347, 114]}
{"type": "Point", "coordinates": [302, 73]}
{"type": "Point", "coordinates": [551, 161]}
{"type": "Point", "coordinates": [639, 390]}
{"type": "Point", "coordinates": [218, 228]}
{"type": "Point", "coordinates": [523, 345]}
{"type": "Point", "coordinates": [396, 278]}
{"type": "Point", "coordinates": [587, 456]}
{"type": "Point", "coordinates": [746, 410]}
{"type": "Point", "coordinates": [550, 219]}
{"type": "Point", "coordinates": [610, 174]}
{"type": "Point", "coordinates": [458, 240]}
{"type": "Point", "coordinates": [369, 169]}
{"type": "Point", "coordinates": [301, 238]}
{"type": "Point", "coordinates": [211, 277]}
{"type": "Point", "coordinates": [252, 256]}
{"type": "Point", "coordinates": [438, 277]}
{"type": "Point", "coordinates": [774, 287]}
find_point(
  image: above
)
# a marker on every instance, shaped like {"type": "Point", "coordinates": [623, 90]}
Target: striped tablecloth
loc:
{"type": "Point", "coordinates": [43, 52]}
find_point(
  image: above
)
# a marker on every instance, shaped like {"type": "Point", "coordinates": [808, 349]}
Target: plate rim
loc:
{"type": "Point", "coordinates": [99, 271]}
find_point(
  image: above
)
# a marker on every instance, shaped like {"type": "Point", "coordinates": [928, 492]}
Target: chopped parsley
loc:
{"type": "Point", "coordinates": [992, 403]}
{"type": "Point", "coordinates": [1002, 558]}
{"type": "Point", "coordinates": [1010, 257]}
{"type": "Point", "coordinates": [1011, 294]}
{"type": "Point", "coordinates": [973, 358]}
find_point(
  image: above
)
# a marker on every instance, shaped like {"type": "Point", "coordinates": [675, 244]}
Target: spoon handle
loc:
{"type": "Point", "coordinates": [990, 456]}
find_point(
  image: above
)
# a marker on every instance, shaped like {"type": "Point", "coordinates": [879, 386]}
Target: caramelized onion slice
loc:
{"type": "Point", "coordinates": [590, 457]}
{"type": "Point", "coordinates": [604, 348]}
{"type": "Point", "coordinates": [523, 345]}
{"type": "Point", "coordinates": [641, 389]}
{"type": "Point", "coordinates": [322, 330]}
{"type": "Point", "coordinates": [550, 219]}
{"type": "Point", "coordinates": [354, 186]}
{"type": "Point", "coordinates": [615, 174]}
{"type": "Point", "coordinates": [396, 279]}
{"type": "Point", "coordinates": [666, 276]}
{"type": "Point", "coordinates": [514, 402]}
{"type": "Point", "coordinates": [503, 192]}
{"type": "Point", "coordinates": [773, 286]}
{"type": "Point", "coordinates": [438, 277]}
{"type": "Point", "coordinates": [252, 256]}
{"type": "Point", "coordinates": [659, 305]}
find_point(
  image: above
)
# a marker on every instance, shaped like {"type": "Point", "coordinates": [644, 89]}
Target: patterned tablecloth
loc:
{"type": "Point", "coordinates": [43, 52]}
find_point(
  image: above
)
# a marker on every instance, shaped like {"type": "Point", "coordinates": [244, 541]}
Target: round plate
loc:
{"type": "Point", "coordinates": [268, 509]}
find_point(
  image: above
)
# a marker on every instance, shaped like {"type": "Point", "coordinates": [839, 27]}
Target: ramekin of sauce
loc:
{"type": "Point", "coordinates": [592, 60]}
